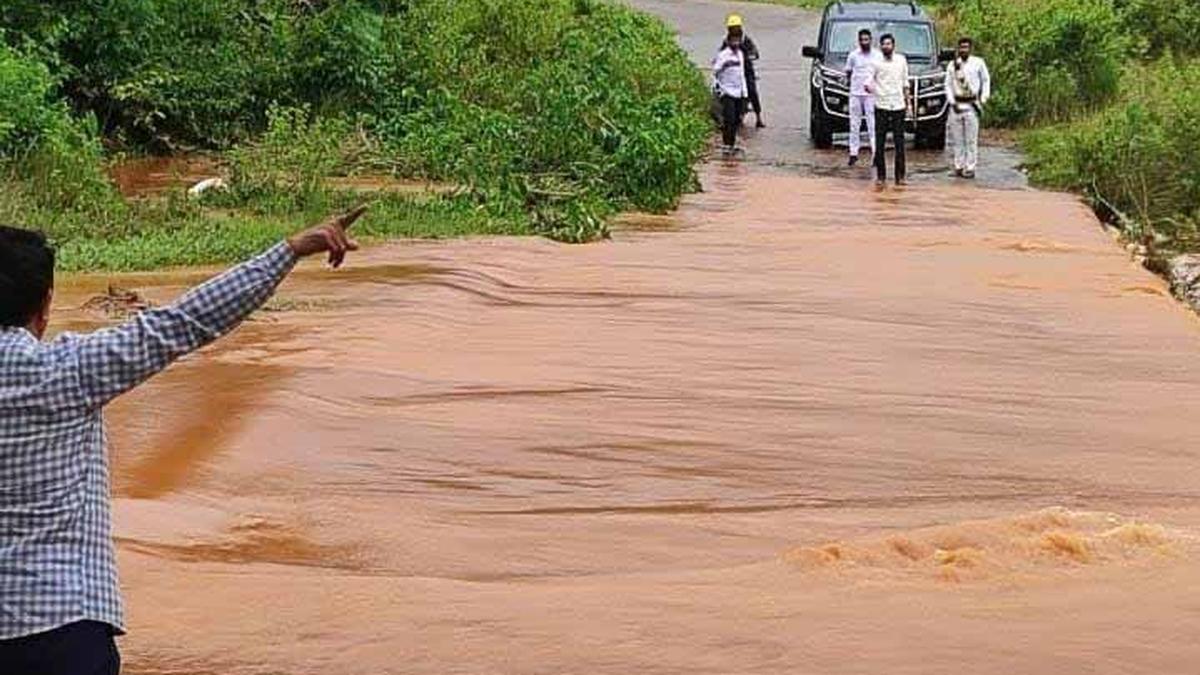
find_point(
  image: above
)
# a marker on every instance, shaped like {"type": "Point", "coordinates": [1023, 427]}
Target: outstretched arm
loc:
{"type": "Point", "coordinates": [114, 360]}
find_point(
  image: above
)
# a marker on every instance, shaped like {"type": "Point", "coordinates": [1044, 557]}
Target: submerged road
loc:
{"type": "Point", "coordinates": [797, 427]}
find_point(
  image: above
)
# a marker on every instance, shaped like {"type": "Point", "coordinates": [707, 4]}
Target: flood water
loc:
{"type": "Point", "coordinates": [797, 427]}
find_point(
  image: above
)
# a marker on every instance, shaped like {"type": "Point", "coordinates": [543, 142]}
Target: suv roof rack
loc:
{"type": "Point", "coordinates": [912, 4]}
{"type": "Point", "coordinates": [841, 8]}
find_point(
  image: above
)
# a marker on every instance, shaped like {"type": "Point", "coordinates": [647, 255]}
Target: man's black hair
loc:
{"type": "Point", "coordinates": [966, 41]}
{"type": "Point", "coordinates": [887, 36]}
{"type": "Point", "coordinates": [26, 275]}
{"type": "Point", "coordinates": [865, 31]}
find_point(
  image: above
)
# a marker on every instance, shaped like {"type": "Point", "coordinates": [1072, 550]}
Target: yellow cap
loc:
{"type": "Point", "coordinates": [734, 21]}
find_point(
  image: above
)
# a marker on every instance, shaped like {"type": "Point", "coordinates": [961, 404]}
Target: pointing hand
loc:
{"type": "Point", "coordinates": [328, 237]}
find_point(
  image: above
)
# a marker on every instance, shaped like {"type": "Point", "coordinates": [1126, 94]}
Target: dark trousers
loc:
{"type": "Point", "coordinates": [81, 648]}
{"type": "Point", "coordinates": [732, 109]}
{"type": "Point", "coordinates": [755, 102]}
{"type": "Point", "coordinates": [889, 121]}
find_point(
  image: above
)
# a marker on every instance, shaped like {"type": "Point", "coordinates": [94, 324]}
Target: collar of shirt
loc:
{"type": "Point", "coordinates": [16, 334]}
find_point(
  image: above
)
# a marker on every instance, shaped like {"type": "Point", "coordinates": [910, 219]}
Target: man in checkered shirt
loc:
{"type": "Point", "coordinates": [59, 602]}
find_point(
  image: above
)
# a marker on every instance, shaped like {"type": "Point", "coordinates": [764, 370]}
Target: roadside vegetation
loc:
{"type": "Point", "coordinates": [547, 116]}
{"type": "Point", "coordinates": [1107, 95]}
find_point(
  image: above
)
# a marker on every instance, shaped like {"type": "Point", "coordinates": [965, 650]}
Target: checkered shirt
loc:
{"type": "Point", "coordinates": [57, 564]}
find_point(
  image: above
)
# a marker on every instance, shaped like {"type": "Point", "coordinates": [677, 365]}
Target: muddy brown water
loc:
{"type": "Point", "coordinates": [797, 427]}
{"type": "Point", "coordinates": [801, 427]}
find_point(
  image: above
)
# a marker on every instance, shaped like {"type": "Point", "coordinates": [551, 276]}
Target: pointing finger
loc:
{"type": "Point", "coordinates": [347, 219]}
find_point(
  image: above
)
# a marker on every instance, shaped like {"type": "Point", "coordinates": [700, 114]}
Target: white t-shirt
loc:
{"type": "Point", "coordinates": [861, 67]}
{"type": "Point", "coordinates": [891, 81]}
{"type": "Point", "coordinates": [729, 70]}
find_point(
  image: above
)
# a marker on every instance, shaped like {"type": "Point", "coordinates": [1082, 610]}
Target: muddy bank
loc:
{"type": "Point", "coordinates": [154, 176]}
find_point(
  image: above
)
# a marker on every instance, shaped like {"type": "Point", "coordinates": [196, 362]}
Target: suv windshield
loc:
{"type": "Point", "coordinates": [914, 40]}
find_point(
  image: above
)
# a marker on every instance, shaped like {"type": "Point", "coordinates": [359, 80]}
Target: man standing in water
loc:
{"type": "Point", "coordinates": [729, 71]}
{"type": "Point", "coordinates": [860, 66]}
{"type": "Point", "coordinates": [892, 101]}
{"type": "Point", "coordinates": [60, 604]}
{"type": "Point", "coordinates": [968, 88]}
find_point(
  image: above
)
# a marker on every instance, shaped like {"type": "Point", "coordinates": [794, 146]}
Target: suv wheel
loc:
{"type": "Point", "coordinates": [819, 128]}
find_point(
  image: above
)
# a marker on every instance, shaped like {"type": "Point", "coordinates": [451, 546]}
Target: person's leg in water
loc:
{"type": "Point", "coordinates": [954, 134]}
{"type": "Point", "coordinates": [970, 143]}
{"type": "Point", "coordinates": [897, 121]}
{"type": "Point", "coordinates": [869, 113]}
{"type": "Point", "coordinates": [880, 156]}
{"type": "Point", "coordinates": [858, 107]}
{"type": "Point", "coordinates": [731, 114]}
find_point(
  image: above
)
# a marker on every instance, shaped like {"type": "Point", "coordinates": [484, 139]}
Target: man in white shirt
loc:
{"type": "Point", "coordinates": [860, 66]}
{"type": "Point", "coordinates": [892, 101]}
{"type": "Point", "coordinates": [968, 88]}
{"type": "Point", "coordinates": [729, 72]}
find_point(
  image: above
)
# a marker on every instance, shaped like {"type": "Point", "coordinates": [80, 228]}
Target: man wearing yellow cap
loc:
{"type": "Point", "coordinates": [729, 83]}
{"type": "Point", "coordinates": [734, 26]}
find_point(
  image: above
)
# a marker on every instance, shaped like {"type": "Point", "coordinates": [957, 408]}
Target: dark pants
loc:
{"type": "Point", "coordinates": [889, 121]}
{"type": "Point", "coordinates": [755, 102]}
{"type": "Point", "coordinates": [732, 108]}
{"type": "Point", "coordinates": [82, 648]}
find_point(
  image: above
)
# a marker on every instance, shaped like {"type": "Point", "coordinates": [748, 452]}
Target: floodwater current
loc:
{"type": "Point", "coordinates": [798, 426]}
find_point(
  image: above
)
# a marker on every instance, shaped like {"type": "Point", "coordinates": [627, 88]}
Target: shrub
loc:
{"type": "Point", "coordinates": [52, 157]}
{"type": "Point", "coordinates": [593, 96]}
{"type": "Point", "coordinates": [1139, 155]}
{"type": "Point", "coordinates": [1161, 26]}
{"type": "Point", "coordinates": [1050, 59]}
{"type": "Point", "coordinates": [285, 169]}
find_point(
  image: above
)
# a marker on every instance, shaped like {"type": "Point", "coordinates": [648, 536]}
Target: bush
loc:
{"type": "Point", "coordinates": [285, 169]}
{"type": "Point", "coordinates": [52, 157]}
{"type": "Point", "coordinates": [1051, 59]}
{"type": "Point", "coordinates": [1139, 155]}
{"type": "Point", "coordinates": [593, 96]}
{"type": "Point", "coordinates": [1161, 26]}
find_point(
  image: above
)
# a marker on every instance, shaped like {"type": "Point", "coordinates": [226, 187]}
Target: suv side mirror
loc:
{"type": "Point", "coordinates": [946, 55]}
{"type": "Point", "coordinates": [812, 52]}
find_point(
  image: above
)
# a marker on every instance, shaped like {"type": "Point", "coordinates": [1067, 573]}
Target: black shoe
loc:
{"type": "Point", "coordinates": [759, 124]}
{"type": "Point", "coordinates": [853, 160]}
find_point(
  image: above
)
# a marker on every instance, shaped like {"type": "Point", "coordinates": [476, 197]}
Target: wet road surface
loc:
{"type": "Point", "coordinates": [798, 426]}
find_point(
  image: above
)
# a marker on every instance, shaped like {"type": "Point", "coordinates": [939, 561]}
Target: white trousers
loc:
{"type": "Point", "coordinates": [861, 106]}
{"type": "Point", "coordinates": [964, 134]}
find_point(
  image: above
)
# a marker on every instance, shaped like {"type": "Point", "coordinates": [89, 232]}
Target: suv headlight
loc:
{"type": "Point", "coordinates": [931, 83]}
{"type": "Point", "coordinates": [829, 76]}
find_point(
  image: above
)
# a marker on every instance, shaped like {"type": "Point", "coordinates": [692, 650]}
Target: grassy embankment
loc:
{"type": "Point", "coordinates": [533, 107]}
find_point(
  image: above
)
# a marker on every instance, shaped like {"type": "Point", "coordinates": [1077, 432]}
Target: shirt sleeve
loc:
{"type": "Point", "coordinates": [114, 360]}
{"type": "Point", "coordinates": [951, 97]}
{"type": "Point", "coordinates": [985, 83]}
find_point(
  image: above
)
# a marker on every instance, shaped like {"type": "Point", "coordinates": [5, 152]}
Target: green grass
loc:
{"type": "Point", "coordinates": [172, 233]}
